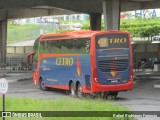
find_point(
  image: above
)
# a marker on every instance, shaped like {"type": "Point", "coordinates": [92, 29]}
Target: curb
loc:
{"type": "Point", "coordinates": [18, 80]}
{"type": "Point", "coordinates": [2, 76]}
{"type": "Point", "coordinates": [149, 75]}
{"type": "Point", "coordinates": [156, 85]}
{"type": "Point", "coordinates": [24, 79]}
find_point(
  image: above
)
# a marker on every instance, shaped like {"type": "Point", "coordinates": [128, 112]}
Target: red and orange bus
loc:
{"type": "Point", "coordinates": [84, 62]}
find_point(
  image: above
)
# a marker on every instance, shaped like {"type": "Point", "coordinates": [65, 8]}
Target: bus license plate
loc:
{"type": "Point", "coordinates": [114, 81]}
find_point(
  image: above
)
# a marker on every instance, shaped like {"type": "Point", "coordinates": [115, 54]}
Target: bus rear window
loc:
{"type": "Point", "coordinates": [107, 41]}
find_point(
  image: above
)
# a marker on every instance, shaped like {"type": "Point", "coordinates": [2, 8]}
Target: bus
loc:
{"type": "Point", "coordinates": [84, 62]}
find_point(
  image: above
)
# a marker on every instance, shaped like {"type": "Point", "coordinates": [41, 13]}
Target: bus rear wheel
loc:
{"type": "Point", "coordinates": [42, 85]}
{"type": "Point", "coordinates": [79, 92]}
{"type": "Point", "coordinates": [72, 90]}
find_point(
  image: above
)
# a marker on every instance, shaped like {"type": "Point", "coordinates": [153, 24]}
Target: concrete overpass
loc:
{"type": "Point", "coordinates": [111, 9]}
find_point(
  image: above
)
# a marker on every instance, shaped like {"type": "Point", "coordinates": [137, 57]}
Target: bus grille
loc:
{"type": "Point", "coordinates": [113, 65]}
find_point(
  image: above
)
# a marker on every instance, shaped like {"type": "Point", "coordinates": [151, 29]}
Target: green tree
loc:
{"type": "Point", "coordinates": [150, 32]}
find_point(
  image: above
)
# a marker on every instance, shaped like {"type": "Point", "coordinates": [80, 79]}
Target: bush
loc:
{"type": "Point", "coordinates": [86, 27]}
{"type": "Point", "coordinates": [147, 28]}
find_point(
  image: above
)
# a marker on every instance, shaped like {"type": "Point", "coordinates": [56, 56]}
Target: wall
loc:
{"type": "Point", "coordinates": [18, 51]}
{"type": "Point", "coordinates": [146, 51]}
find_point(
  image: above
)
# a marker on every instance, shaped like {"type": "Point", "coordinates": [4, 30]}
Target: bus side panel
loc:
{"type": "Point", "coordinates": [57, 71]}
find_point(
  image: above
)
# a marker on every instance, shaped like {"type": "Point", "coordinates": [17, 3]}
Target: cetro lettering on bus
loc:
{"type": "Point", "coordinates": [118, 40]}
{"type": "Point", "coordinates": [64, 61]}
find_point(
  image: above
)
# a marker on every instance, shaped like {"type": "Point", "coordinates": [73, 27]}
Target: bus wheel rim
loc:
{"type": "Point", "coordinates": [72, 89]}
{"type": "Point", "coordinates": [42, 84]}
{"type": "Point", "coordinates": [79, 92]}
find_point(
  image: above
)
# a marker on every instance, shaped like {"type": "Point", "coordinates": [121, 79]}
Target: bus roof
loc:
{"type": "Point", "coordinates": [71, 35]}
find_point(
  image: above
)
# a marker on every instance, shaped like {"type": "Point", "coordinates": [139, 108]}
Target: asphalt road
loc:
{"type": "Point", "coordinates": [144, 97]}
{"type": "Point", "coordinates": [26, 89]}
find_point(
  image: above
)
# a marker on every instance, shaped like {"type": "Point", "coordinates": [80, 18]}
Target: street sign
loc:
{"type": "Point", "coordinates": [3, 86]}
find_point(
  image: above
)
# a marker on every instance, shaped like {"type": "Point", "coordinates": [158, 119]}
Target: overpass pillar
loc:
{"type": "Point", "coordinates": [111, 12]}
{"type": "Point", "coordinates": [95, 21]}
{"type": "Point", "coordinates": [3, 39]}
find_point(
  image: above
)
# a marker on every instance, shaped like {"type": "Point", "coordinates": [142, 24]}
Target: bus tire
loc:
{"type": "Point", "coordinates": [41, 85]}
{"type": "Point", "coordinates": [110, 95]}
{"type": "Point", "coordinates": [79, 92]}
{"type": "Point", "coordinates": [72, 90]}
{"type": "Point", "coordinates": [115, 94]}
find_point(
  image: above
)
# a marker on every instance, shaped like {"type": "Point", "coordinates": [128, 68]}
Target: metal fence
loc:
{"type": "Point", "coordinates": [23, 34]}
{"type": "Point", "coordinates": [15, 63]}
{"type": "Point", "coordinates": [16, 58]}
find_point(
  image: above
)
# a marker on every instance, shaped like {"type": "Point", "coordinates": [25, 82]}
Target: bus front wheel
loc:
{"type": "Point", "coordinates": [42, 85]}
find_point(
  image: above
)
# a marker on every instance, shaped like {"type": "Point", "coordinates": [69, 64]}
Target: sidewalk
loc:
{"type": "Point", "coordinates": [3, 72]}
{"type": "Point", "coordinates": [154, 75]}
{"type": "Point", "coordinates": [146, 73]}
{"type": "Point", "coordinates": [16, 75]}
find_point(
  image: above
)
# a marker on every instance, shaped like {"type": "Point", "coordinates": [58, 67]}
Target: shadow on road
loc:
{"type": "Point", "coordinates": [120, 99]}
{"type": "Point", "coordinates": [58, 91]}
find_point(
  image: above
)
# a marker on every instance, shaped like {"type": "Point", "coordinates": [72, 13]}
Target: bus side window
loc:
{"type": "Point", "coordinates": [69, 46]}
{"type": "Point", "coordinates": [82, 45]}
{"type": "Point", "coordinates": [87, 46]}
{"type": "Point", "coordinates": [54, 47]}
{"type": "Point", "coordinates": [75, 44]}
{"type": "Point", "coordinates": [41, 47]}
{"type": "Point", "coordinates": [59, 44]}
{"type": "Point", "coordinates": [36, 50]}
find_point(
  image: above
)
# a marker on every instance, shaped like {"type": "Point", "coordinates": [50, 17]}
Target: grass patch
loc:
{"type": "Point", "coordinates": [22, 32]}
{"type": "Point", "coordinates": [63, 104]}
